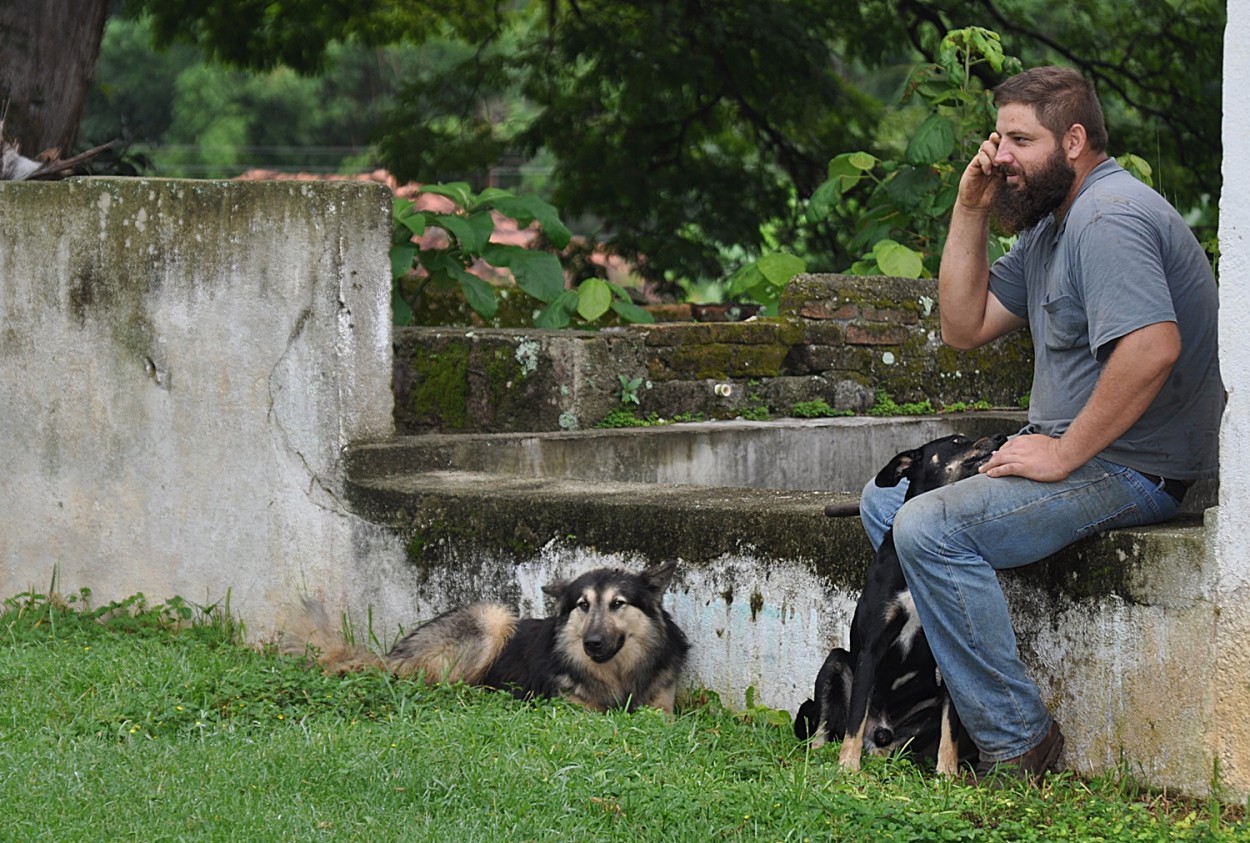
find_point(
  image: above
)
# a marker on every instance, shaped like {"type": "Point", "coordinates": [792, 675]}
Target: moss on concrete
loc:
{"type": "Point", "coordinates": [712, 361]}
{"type": "Point", "coordinates": [1128, 564]}
{"type": "Point", "coordinates": [440, 386]}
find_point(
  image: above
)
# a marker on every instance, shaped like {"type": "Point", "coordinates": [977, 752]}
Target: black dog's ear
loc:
{"type": "Point", "coordinates": [897, 468]}
{"type": "Point", "coordinates": [657, 577]}
{"type": "Point", "coordinates": [555, 589]}
{"type": "Point", "coordinates": [806, 720]}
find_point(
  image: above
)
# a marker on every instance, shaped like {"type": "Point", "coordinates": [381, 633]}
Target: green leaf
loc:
{"type": "Point", "coordinates": [934, 141]}
{"type": "Point", "coordinates": [483, 224]}
{"type": "Point", "coordinates": [825, 199]}
{"type": "Point", "coordinates": [457, 191]}
{"type": "Point", "coordinates": [944, 201]}
{"type": "Point", "coordinates": [526, 209]}
{"type": "Point", "coordinates": [410, 225]}
{"type": "Point", "coordinates": [593, 299]}
{"type": "Point", "coordinates": [631, 312]}
{"type": "Point", "coordinates": [779, 267]}
{"type": "Point", "coordinates": [558, 313]}
{"type": "Point", "coordinates": [488, 197]}
{"type": "Point", "coordinates": [537, 273]}
{"type": "Point", "coordinates": [1138, 167]}
{"type": "Point", "coordinates": [401, 259]}
{"type": "Point", "coordinates": [875, 224]}
{"type": "Point", "coordinates": [864, 267]}
{"type": "Point", "coordinates": [402, 208]}
{"type": "Point", "coordinates": [464, 233]}
{"type": "Point", "coordinates": [401, 313]}
{"type": "Point", "coordinates": [988, 45]}
{"type": "Point", "coordinates": [745, 279]}
{"type": "Point", "coordinates": [896, 259]}
{"type": "Point", "coordinates": [479, 294]}
{"type": "Point", "coordinates": [862, 161]}
{"type": "Point", "coordinates": [440, 262]}
{"type": "Point", "coordinates": [909, 187]}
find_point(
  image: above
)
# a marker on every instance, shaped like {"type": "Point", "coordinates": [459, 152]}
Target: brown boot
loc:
{"type": "Point", "coordinates": [1032, 765]}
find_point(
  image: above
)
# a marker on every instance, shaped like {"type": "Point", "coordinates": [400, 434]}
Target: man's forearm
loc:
{"type": "Point", "coordinates": [963, 278]}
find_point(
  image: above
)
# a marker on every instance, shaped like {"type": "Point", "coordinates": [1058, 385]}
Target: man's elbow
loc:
{"type": "Point", "coordinates": [960, 340]}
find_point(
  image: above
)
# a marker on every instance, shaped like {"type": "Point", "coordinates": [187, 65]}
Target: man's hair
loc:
{"type": "Point", "coordinates": [1061, 97]}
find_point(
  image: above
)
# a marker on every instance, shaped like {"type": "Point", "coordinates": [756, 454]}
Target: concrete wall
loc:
{"type": "Point", "coordinates": [181, 366]}
{"type": "Point", "coordinates": [1231, 725]}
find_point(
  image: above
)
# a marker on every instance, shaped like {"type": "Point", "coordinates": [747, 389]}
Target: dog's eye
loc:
{"type": "Point", "coordinates": [616, 604]}
{"type": "Point", "coordinates": [583, 604]}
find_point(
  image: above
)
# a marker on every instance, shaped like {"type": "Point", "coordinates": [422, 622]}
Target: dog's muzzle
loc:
{"type": "Point", "coordinates": [599, 648]}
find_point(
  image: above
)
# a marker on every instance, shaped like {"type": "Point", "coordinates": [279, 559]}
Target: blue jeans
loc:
{"type": "Point", "coordinates": [953, 540]}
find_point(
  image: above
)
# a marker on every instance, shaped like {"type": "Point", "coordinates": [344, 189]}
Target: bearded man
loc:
{"type": "Point", "coordinates": [1126, 399]}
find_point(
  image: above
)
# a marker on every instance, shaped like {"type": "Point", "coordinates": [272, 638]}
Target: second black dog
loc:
{"type": "Point", "coordinates": [887, 694]}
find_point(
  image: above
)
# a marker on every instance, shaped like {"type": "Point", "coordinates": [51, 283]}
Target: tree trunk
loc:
{"type": "Point", "coordinates": [48, 52]}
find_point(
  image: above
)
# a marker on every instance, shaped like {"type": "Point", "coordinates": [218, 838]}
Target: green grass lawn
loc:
{"type": "Point", "coordinates": [131, 724]}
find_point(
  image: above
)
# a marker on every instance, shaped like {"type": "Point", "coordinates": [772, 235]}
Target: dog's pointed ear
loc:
{"type": "Point", "coordinates": [555, 588]}
{"type": "Point", "coordinates": [657, 577]}
{"type": "Point", "coordinates": [897, 468]}
{"type": "Point", "coordinates": [807, 720]}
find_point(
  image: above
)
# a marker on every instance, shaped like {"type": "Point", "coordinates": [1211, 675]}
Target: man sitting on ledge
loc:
{"type": "Point", "coordinates": [1125, 405]}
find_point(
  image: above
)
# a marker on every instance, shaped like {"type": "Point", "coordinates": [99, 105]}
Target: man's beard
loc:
{"type": "Point", "coordinates": [1017, 209]}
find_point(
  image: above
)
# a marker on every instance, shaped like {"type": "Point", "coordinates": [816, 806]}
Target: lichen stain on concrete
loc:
{"type": "Point", "coordinates": [527, 355]}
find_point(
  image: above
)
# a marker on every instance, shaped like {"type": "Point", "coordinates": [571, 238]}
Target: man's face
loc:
{"type": "Point", "coordinates": [1037, 176]}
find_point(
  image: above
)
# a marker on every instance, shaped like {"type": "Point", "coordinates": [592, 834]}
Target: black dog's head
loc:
{"type": "Point", "coordinates": [940, 462]}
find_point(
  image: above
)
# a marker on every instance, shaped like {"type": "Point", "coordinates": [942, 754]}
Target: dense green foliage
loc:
{"type": "Point", "coordinates": [183, 117]}
{"type": "Point", "coordinates": [131, 722]}
{"type": "Point", "coordinates": [693, 138]}
{"type": "Point", "coordinates": [468, 227]}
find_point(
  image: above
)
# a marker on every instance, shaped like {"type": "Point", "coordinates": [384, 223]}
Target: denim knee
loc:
{"type": "Point", "coordinates": [877, 508]}
{"type": "Point", "coordinates": [918, 532]}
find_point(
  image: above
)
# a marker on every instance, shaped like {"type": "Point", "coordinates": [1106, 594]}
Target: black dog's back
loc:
{"type": "Point", "coordinates": [528, 665]}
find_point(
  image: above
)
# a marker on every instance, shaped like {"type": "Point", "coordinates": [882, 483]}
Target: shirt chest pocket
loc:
{"type": "Point", "coordinates": [1066, 324]}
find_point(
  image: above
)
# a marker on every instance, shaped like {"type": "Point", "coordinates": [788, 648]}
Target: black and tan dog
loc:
{"type": "Point", "coordinates": [609, 644]}
{"type": "Point", "coordinates": [887, 694]}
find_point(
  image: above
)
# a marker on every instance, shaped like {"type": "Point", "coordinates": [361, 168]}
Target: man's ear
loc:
{"type": "Point", "coordinates": [1075, 141]}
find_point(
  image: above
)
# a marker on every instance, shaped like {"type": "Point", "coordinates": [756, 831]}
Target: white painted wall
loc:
{"type": "Point", "coordinates": [1232, 526]}
{"type": "Point", "coordinates": [181, 366]}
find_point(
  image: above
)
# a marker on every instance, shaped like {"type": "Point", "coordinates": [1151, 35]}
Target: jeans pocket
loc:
{"type": "Point", "coordinates": [1129, 516]}
{"type": "Point", "coordinates": [1145, 504]}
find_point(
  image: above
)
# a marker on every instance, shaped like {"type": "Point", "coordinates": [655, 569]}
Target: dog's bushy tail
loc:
{"type": "Point", "coordinates": [458, 646]}
{"type": "Point", "coordinates": [313, 636]}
